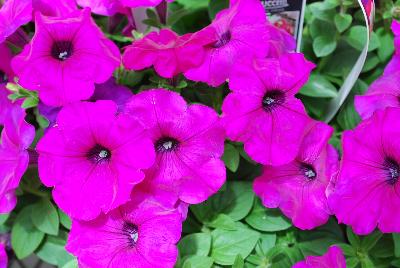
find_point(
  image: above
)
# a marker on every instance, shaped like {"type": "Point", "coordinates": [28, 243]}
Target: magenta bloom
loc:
{"type": "Point", "coordinates": [384, 92]}
{"type": "Point", "coordinates": [142, 3]}
{"type": "Point", "coordinates": [140, 235]}
{"type": "Point", "coordinates": [56, 8]}
{"type": "Point", "coordinates": [65, 58]}
{"type": "Point", "coordinates": [262, 111]}
{"type": "Point", "coordinates": [238, 32]}
{"type": "Point", "coordinates": [332, 259]}
{"type": "Point", "coordinates": [394, 64]}
{"type": "Point", "coordinates": [103, 7]}
{"type": "Point", "coordinates": [3, 256]}
{"type": "Point", "coordinates": [189, 142]}
{"type": "Point", "coordinates": [93, 158]}
{"type": "Point", "coordinates": [6, 72]}
{"type": "Point", "coordinates": [111, 7]}
{"type": "Point", "coordinates": [366, 193]}
{"type": "Point", "coordinates": [169, 53]}
{"type": "Point", "coordinates": [298, 188]}
{"type": "Point", "coordinates": [279, 41]}
{"type": "Point", "coordinates": [106, 91]}
{"type": "Point", "coordinates": [13, 14]}
{"type": "Point", "coordinates": [164, 196]}
{"type": "Point", "coordinates": [16, 137]}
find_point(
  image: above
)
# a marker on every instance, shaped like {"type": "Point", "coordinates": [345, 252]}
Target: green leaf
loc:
{"type": "Point", "coordinates": [353, 238]}
{"type": "Point", "coordinates": [64, 219]}
{"type": "Point", "coordinates": [231, 157]}
{"type": "Point", "coordinates": [357, 38]}
{"type": "Point", "coordinates": [223, 221]}
{"type": "Point", "coordinates": [45, 217]}
{"type": "Point", "coordinates": [216, 6]}
{"type": "Point", "coordinates": [341, 61]}
{"type": "Point", "coordinates": [319, 87]}
{"type": "Point", "coordinates": [371, 62]}
{"type": "Point", "coordinates": [352, 262]}
{"type": "Point", "coordinates": [30, 102]}
{"type": "Point", "coordinates": [396, 263]}
{"type": "Point", "coordinates": [343, 21]}
{"type": "Point", "coordinates": [25, 238]}
{"type": "Point", "coordinates": [53, 251]}
{"type": "Point", "coordinates": [195, 244]}
{"type": "Point", "coordinates": [348, 250]}
{"type": "Point", "coordinates": [324, 45]}
{"type": "Point", "coordinates": [322, 28]}
{"type": "Point", "coordinates": [193, 4]}
{"type": "Point", "coordinates": [322, 11]}
{"type": "Point", "coordinates": [267, 220]}
{"type": "Point", "coordinates": [386, 49]}
{"type": "Point", "coordinates": [198, 262]}
{"type": "Point", "coordinates": [384, 248]}
{"type": "Point", "coordinates": [367, 263]}
{"type": "Point", "coordinates": [396, 239]}
{"type": "Point", "coordinates": [348, 117]}
{"type": "Point", "coordinates": [71, 264]}
{"type": "Point", "coordinates": [227, 245]}
{"type": "Point", "coordinates": [239, 262]}
{"type": "Point", "coordinates": [370, 241]}
{"type": "Point", "coordinates": [317, 241]}
{"type": "Point", "coordinates": [3, 218]}
{"type": "Point", "coordinates": [267, 242]}
{"type": "Point", "coordinates": [236, 201]}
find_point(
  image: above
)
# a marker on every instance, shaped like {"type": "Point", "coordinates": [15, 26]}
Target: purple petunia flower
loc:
{"type": "Point", "coordinates": [16, 137]}
{"type": "Point", "coordinates": [367, 191]}
{"type": "Point", "coordinates": [93, 158]}
{"type": "Point", "coordinates": [103, 7]}
{"type": "Point", "coordinates": [169, 53]}
{"type": "Point", "coordinates": [142, 3]}
{"type": "Point", "coordinates": [13, 14]}
{"type": "Point", "coordinates": [65, 58]}
{"type": "Point", "coordinates": [238, 32]}
{"type": "Point", "coordinates": [332, 259]}
{"type": "Point", "coordinates": [262, 111]}
{"type": "Point", "coordinates": [384, 92]}
{"type": "Point", "coordinates": [298, 188]}
{"type": "Point", "coordinates": [189, 142]}
{"type": "Point", "coordinates": [140, 235]}
{"type": "Point", "coordinates": [111, 7]}
{"type": "Point", "coordinates": [394, 64]}
{"type": "Point", "coordinates": [106, 91]}
{"type": "Point", "coordinates": [56, 8]}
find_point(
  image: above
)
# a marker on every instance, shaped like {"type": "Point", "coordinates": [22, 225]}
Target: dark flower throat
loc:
{"type": "Point", "coordinates": [272, 99]}
{"type": "Point", "coordinates": [166, 144]}
{"type": "Point", "coordinates": [99, 154]}
{"type": "Point", "coordinates": [392, 170]}
{"type": "Point", "coordinates": [223, 40]}
{"type": "Point", "coordinates": [308, 171]}
{"type": "Point", "coordinates": [62, 50]}
{"type": "Point", "coordinates": [131, 231]}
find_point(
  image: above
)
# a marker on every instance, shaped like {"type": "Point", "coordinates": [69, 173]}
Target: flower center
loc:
{"type": "Point", "coordinates": [99, 154]}
{"type": "Point", "coordinates": [272, 99]}
{"type": "Point", "coordinates": [166, 144]}
{"type": "Point", "coordinates": [62, 50]}
{"type": "Point", "coordinates": [392, 170]}
{"type": "Point", "coordinates": [224, 39]}
{"type": "Point", "coordinates": [131, 231]}
{"type": "Point", "coordinates": [308, 171]}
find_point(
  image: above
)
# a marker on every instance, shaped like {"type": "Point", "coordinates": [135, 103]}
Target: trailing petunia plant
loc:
{"type": "Point", "coordinates": [189, 134]}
